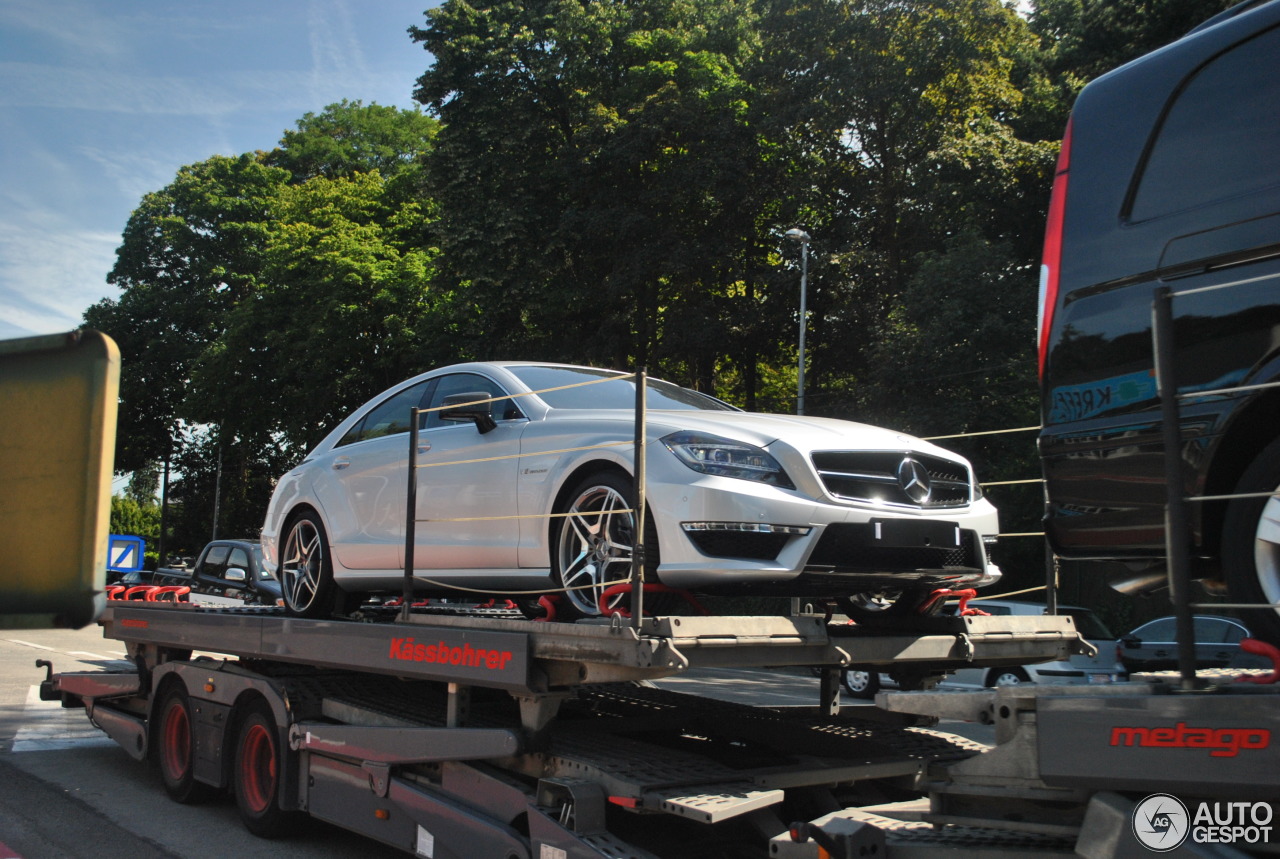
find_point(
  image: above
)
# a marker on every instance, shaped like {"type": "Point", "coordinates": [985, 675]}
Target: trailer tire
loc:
{"type": "Point", "coordinates": [176, 749]}
{"type": "Point", "coordinates": [306, 572]}
{"type": "Point", "coordinates": [257, 774]}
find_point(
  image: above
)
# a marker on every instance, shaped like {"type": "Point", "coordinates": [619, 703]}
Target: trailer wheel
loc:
{"type": "Point", "coordinates": [175, 748]}
{"type": "Point", "coordinates": [306, 573]}
{"type": "Point", "coordinates": [1251, 544]}
{"type": "Point", "coordinates": [258, 769]}
{"type": "Point", "coordinates": [593, 543]}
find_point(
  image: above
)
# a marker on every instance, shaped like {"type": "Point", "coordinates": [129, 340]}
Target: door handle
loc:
{"type": "Point", "coordinates": [341, 463]}
{"type": "Point", "coordinates": [424, 446]}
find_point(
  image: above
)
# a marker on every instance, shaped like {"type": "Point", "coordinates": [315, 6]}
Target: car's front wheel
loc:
{"type": "Point", "coordinates": [306, 573]}
{"type": "Point", "coordinates": [1251, 543]}
{"type": "Point", "coordinates": [593, 540]}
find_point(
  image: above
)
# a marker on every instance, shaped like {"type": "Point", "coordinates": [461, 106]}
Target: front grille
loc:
{"type": "Point", "coordinates": [849, 546]}
{"type": "Point", "coordinates": [871, 476]}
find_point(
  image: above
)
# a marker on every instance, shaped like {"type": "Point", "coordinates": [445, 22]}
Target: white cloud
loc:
{"type": "Point", "coordinates": [49, 274]}
{"type": "Point", "coordinates": [102, 102]}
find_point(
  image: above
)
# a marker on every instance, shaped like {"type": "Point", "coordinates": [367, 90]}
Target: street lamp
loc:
{"type": "Point", "coordinates": [799, 235]}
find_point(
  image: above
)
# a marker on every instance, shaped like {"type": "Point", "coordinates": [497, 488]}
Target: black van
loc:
{"type": "Point", "coordinates": [1169, 177]}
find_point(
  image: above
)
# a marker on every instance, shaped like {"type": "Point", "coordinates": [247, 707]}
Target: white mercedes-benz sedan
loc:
{"type": "Point", "coordinates": [531, 493]}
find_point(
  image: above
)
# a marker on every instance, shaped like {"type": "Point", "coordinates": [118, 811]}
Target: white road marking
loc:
{"type": "Point", "coordinates": [29, 644]}
{"type": "Point", "coordinates": [49, 727]}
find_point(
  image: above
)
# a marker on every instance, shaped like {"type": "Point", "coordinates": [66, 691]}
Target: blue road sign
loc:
{"type": "Point", "coordinates": [125, 554]}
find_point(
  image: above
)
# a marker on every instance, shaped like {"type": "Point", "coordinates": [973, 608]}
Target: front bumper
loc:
{"type": "Point", "coordinates": [719, 533]}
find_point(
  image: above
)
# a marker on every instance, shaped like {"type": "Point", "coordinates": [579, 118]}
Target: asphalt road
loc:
{"type": "Point", "coordinates": [66, 791]}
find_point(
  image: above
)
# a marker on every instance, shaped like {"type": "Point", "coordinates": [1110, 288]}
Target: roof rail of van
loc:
{"type": "Point", "coordinates": [1226, 14]}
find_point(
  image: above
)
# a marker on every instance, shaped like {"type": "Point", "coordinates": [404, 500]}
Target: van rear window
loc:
{"type": "Point", "coordinates": [1220, 136]}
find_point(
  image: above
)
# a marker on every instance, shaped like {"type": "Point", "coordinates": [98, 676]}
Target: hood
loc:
{"type": "Point", "coordinates": [800, 432]}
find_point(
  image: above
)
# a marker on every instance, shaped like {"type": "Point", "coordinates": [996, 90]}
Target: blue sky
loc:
{"type": "Point", "coordinates": [101, 101]}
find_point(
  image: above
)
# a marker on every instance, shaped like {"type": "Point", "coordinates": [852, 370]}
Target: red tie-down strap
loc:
{"type": "Point", "coordinates": [493, 603]}
{"type": "Point", "coordinates": [1261, 648]}
{"type": "Point", "coordinates": [173, 593]}
{"type": "Point", "coordinates": [964, 595]}
{"type": "Point", "coordinates": [396, 602]}
{"type": "Point", "coordinates": [653, 588]}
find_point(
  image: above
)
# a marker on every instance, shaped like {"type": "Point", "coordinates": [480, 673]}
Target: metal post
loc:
{"type": "Point", "coordinates": [637, 554]}
{"type": "Point", "coordinates": [1050, 579]}
{"type": "Point", "coordinates": [410, 515]}
{"type": "Point", "coordinates": [217, 492]}
{"type": "Point", "coordinates": [1177, 533]}
{"type": "Point", "coordinates": [161, 560]}
{"type": "Point", "coordinates": [804, 315]}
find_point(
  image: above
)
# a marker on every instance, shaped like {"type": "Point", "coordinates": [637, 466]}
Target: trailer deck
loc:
{"type": "Point", "coordinates": [450, 735]}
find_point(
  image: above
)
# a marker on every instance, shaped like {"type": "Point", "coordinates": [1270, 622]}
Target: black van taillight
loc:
{"type": "Point", "coordinates": [1051, 262]}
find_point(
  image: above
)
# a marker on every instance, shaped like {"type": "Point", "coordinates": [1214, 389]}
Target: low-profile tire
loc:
{"type": "Point", "coordinates": [1007, 677]}
{"type": "Point", "coordinates": [305, 572]}
{"type": "Point", "coordinates": [257, 774]}
{"type": "Point", "coordinates": [175, 747]}
{"type": "Point", "coordinates": [860, 683]}
{"type": "Point", "coordinates": [592, 547]}
{"type": "Point", "coordinates": [1251, 544]}
{"type": "Point", "coordinates": [887, 605]}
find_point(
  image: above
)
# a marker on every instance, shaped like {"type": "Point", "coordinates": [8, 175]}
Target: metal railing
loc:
{"type": "Point", "coordinates": [1177, 526]}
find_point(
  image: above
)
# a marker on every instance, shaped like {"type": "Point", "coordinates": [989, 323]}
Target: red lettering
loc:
{"type": "Point", "coordinates": [1221, 743]}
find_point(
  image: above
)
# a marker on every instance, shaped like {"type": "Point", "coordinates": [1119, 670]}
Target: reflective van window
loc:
{"type": "Point", "coordinates": [1220, 136]}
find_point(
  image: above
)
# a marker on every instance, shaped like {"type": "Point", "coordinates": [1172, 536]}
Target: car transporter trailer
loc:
{"type": "Point", "coordinates": [456, 735]}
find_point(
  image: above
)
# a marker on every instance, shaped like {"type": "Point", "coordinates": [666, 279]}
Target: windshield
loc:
{"type": "Point", "coordinates": [263, 572]}
{"type": "Point", "coordinates": [610, 395]}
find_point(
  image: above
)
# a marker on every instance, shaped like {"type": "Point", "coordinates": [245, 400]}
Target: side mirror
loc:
{"type": "Point", "coordinates": [1131, 641]}
{"type": "Point", "coordinates": [235, 574]}
{"type": "Point", "coordinates": [463, 407]}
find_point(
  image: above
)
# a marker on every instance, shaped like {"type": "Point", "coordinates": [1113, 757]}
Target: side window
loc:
{"type": "Point", "coordinates": [1220, 136]}
{"type": "Point", "coordinates": [1234, 633]}
{"type": "Point", "coordinates": [1158, 630]}
{"type": "Point", "coordinates": [216, 560]}
{"type": "Point", "coordinates": [467, 383]}
{"type": "Point", "coordinates": [239, 558]}
{"type": "Point", "coordinates": [389, 417]}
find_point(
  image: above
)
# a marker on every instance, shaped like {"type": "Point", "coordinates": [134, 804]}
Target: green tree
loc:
{"type": "Point", "coordinates": [240, 277]}
{"type": "Point", "coordinates": [346, 286]}
{"type": "Point", "coordinates": [189, 254]}
{"type": "Point", "coordinates": [135, 519]}
{"type": "Point", "coordinates": [351, 137]}
{"type": "Point", "coordinates": [593, 172]}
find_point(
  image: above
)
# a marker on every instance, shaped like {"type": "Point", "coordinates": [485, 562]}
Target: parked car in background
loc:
{"type": "Point", "coordinates": [1169, 179]}
{"type": "Point", "coordinates": [1153, 645]}
{"type": "Point", "coordinates": [520, 490]}
{"type": "Point", "coordinates": [1078, 669]}
{"type": "Point", "coordinates": [226, 568]}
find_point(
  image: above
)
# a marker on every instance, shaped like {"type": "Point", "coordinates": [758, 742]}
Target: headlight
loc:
{"type": "Point", "coordinates": [711, 454]}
